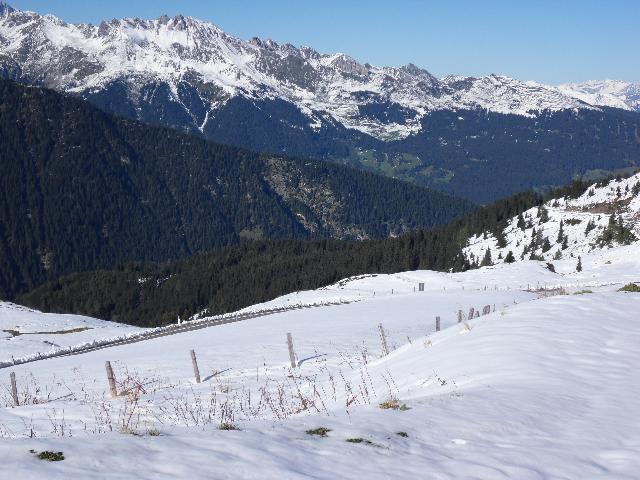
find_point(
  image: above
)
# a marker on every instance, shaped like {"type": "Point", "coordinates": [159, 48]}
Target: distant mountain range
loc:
{"type": "Point", "coordinates": [481, 138]}
{"type": "Point", "coordinates": [606, 93]}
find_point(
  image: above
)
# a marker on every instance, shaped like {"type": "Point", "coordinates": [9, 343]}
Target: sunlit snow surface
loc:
{"type": "Point", "coordinates": [610, 93]}
{"type": "Point", "coordinates": [542, 388]}
{"type": "Point", "coordinates": [24, 331]}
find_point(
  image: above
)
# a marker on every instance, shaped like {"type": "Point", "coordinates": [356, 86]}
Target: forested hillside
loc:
{"type": "Point", "coordinates": [230, 278]}
{"type": "Point", "coordinates": [82, 190]}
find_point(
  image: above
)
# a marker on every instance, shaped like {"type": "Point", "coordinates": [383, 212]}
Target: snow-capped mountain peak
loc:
{"type": "Point", "coordinates": [5, 8]}
{"type": "Point", "coordinates": [609, 93]}
{"type": "Point", "coordinates": [185, 53]}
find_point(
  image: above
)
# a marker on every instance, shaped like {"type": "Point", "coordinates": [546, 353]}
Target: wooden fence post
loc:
{"type": "Point", "coordinates": [112, 379]}
{"type": "Point", "coordinates": [459, 316]}
{"type": "Point", "coordinates": [14, 388]}
{"type": "Point", "coordinates": [383, 337]}
{"type": "Point", "coordinates": [437, 324]}
{"type": "Point", "coordinates": [194, 363]}
{"type": "Point", "coordinates": [292, 354]}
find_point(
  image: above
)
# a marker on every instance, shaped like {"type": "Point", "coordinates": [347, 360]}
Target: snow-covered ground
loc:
{"type": "Point", "coordinates": [610, 93]}
{"type": "Point", "coordinates": [24, 331]}
{"type": "Point", "coordinates": [583, 221]}
{"type": "Point", "coordinates": [544, 387]}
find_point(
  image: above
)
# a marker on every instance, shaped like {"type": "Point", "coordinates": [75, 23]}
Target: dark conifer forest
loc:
{"type": "Point", "coordinates": [226, 279]}
{"type": "Point", "coordinates": [81, 190]}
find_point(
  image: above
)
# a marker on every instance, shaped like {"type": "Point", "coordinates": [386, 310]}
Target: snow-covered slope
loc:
{"type": "Point", "coordinates": [606, 215]}
{"type": "Point", "coordinates": [542, 387]}
{"type": "Point", "coordinates": [608, 93]}
{"type": "Point", "coordinates": [24, 331]}
{"type": "Point", "coordinates": [203, 68]}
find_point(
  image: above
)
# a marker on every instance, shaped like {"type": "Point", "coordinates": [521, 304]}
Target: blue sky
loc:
{"type": "Point", "coordinates": [543, 40]}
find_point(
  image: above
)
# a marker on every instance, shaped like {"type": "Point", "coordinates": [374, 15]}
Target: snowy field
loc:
{"type": "Point", "coordinates": [544, 387]}
{"type": "Point", "coordinates": [24, 331]}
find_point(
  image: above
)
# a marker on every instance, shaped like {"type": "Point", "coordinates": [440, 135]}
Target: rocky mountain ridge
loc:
{"type": "Point", "coordinates": [203, 68]}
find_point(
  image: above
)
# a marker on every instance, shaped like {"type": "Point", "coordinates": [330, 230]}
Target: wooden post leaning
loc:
{"type": "Point", "coordinates": [14, 388]}
{"type": "Point", "coordinates": [112, 379]}
{"type": "Point", "coordinates": [383, 338]}
{"type": "Point", "coordinates": [292, 353]}
{"type": "Point", "coordinates": [194, 364]}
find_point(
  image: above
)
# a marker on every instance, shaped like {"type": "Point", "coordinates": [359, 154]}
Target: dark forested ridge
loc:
{"type": "Point", "coordinates": [230, 278]}
{"type": "Point", "coordinates": [81, 190]}
{"type": "Point", "coordinates": [483, 155]}
{"type": "Point", "coordinates": [474, 154]}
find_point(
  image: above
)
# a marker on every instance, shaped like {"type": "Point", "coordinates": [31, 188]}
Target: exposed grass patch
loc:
{"type": "Point", "coordinates": [402, 434]}
{"type": "Point", "coordinates": [361, 440]}
{"type": "Point", "coordinates": [153, 432]}
{"type": "Point", "coordinates": [228, 426]}
{"type": "Point", "coordinates": [582, 292]}
{"type": "Point", "coordinates": [391, 404]}
{"type": "Point", "coordinates": [630, 287]}
{"type": "Point", "coordinates": [49, 455]}
{"type": "Point", "coordinates": [394, 404]}
{"type": "Point", "coordinates": [320, 431]}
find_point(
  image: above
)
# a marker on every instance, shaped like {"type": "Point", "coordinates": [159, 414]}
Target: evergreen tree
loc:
{"type": "Point", "coordinates": [486, 260]}
{"type": "Point", "coordinates": [509, 258]}
{"type": "Point", "coordinates": [590, 226]}
{"type": "Point", "coordinates": [535, 256]}
{"type": "Point", "coordinates": [543, 214]}
{"type": "Point", "coordinates": [500, 238]}
{"type": "Point", "coordinates": [560, 237]}
{"type": "Point", "coordinates": [579, 265]}
{"type": "Point", "coordinates": [616, 231]}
